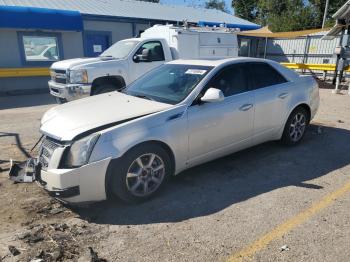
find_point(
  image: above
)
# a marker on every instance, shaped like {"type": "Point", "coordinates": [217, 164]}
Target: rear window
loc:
{"type": "Point", "coordinates": [263, 75]}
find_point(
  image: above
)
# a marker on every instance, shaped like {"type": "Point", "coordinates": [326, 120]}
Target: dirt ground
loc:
{"type": "Point", "coordinates": [234, 208]}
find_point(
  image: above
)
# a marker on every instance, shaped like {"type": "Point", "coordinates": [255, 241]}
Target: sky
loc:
{"type": "Point", "coordinates": [194, 3]}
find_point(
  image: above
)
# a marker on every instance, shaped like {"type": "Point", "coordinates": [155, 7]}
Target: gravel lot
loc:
{"type": "Point", "coordinates": [209, 213]}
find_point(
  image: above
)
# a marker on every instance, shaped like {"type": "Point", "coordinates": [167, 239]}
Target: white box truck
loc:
{"type": "Point", "coordinates": [128, 59]}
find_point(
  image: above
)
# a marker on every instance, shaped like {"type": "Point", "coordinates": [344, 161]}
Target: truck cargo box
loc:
{"type": "Point", "coordinates": [197, 42]}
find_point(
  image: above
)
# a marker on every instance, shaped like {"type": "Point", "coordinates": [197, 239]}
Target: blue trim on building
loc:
{"type": "Point", "coordinates": [243, 27]}
{"type": "Point", "coordinates": [40, 18]}
{"type": "Point", "coordinates": [86, 32]}
{"type": "Point", "coordinates": [24, 62]}
{"type": "Point", "coordinates": [133, 29]}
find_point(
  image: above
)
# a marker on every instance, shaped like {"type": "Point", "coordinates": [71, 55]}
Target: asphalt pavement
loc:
{"type": "Point", "coordinates": [266, 203]}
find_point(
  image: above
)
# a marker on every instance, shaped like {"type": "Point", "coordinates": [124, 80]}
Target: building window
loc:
{"type": "Point", "coordinates": [40, 48]}
{"type": "Point", "coordinates": [244, 48]}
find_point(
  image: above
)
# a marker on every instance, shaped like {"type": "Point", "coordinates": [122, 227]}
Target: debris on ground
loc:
{"type": "Point", "coordinates": [14, 251]}
{"type": "Point", "coordinates": [94, 256]}
{"type": "Point", "coordinates": [37, 260]}
{"type": "Point", "coordinates": [22, 172]}
{"type": "Point", "coordinates": [319, 130]}
{"type": "Point", "coordinates": [53, 208]}
{"type": "Point", "coordinates": [340, 121]}
{"type": "Point", "coordinates": [56, 211]}
{"type": "Point", "coordinates": [285, 248]}
{"type": "Point", "coordinates": [55, 242]}
{"type": "Point", "coordinates": [59, 227]}
{"type": "Point", "coordinates": [23, 235]}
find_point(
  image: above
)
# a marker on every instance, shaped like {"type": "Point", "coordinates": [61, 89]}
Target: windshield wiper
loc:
{"type": "Point", "coordinates": [108, 56]}
{"type": "Point", "coordinates": [145, 97]}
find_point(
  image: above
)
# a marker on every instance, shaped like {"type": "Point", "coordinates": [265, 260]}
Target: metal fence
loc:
{"type": "Point", "coordinates": [307, 54]}
{"type": "Point", "coordinates": [306, 50]}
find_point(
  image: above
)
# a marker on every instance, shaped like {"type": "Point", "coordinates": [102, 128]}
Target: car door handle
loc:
{"type": "Point", "coordinates": [246, 107]}
{"type": "Point", "coordinates": [283, 95]}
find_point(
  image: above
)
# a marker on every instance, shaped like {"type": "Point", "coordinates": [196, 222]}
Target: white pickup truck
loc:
{"type": "Point", "coordinates": [128, 59]}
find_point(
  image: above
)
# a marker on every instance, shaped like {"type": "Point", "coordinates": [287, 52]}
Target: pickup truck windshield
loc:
{"type": "Point", "coordinates": [120, 49]}
{"type": "Point", "coordinates": [168, 83]}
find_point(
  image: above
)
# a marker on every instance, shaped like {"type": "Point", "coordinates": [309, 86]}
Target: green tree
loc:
{"type": "Point", "coordinates": [285, 15]}
{"type": "Point", "coordinates": [319, 6]}
{"type": "Point", "coordinates": [216, 4]}
{"type": "Point", "coordinates": [246, 9]}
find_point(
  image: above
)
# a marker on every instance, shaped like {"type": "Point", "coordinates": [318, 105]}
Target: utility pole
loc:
{"type": "Point", "coordinates": [325, 13]}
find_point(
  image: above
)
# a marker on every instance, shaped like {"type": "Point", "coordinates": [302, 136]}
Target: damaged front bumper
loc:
{"type": "Point", "coordinates": [83, 184]}
{"type": "Point", "coordinates": [69, 92]}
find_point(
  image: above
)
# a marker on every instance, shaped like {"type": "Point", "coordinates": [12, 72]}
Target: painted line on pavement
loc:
{"type": "Point", "coordinates": [248, 252]}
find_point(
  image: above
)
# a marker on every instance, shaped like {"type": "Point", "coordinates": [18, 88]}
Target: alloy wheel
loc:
{"type": "Point", "coordinates": [145, 174]}
{"type": "Point", "coordinates": [297, 127]}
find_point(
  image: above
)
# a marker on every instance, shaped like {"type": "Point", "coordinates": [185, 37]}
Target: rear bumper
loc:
{"type": "Point", "coordinates": [78, 185]}
{"type": "Point", "coordinates": [69, 91]}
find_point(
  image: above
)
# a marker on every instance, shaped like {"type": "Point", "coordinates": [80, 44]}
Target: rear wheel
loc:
{"type": "Point", "coordinates": [295, 127]}
{"type": "Point", "coordinates": [140, 173]}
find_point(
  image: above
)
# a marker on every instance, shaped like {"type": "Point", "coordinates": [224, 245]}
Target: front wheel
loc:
{"type": "Point", "coordinates": [295, 127]}
{"type": "Point", "coordinates": [60, 100]}
{"type": "Point", "coordinates": [140, 173]}
{"type": "Point", "coordinates": [104, 89]}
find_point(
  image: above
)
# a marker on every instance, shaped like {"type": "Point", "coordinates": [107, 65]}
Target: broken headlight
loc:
{"type": "Point", "coordinates": [79, 152]}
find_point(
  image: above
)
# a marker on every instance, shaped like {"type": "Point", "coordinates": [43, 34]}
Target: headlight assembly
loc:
{"type": "Point", "coordinates": [78, 76]}
{"type": "Point", "coordinates": [79, 152]}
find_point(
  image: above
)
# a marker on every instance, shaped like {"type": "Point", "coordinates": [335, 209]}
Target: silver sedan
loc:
{"type": "Point", "coordinates": [179, 115]}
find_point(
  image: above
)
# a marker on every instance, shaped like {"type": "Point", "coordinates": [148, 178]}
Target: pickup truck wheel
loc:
{"type": "Point", "coordinates": [103, 89]}
{"type": "Point", "coordinates": [60, 100]}
{"type": "Point", "coordinates": [140, 173]}
{"type": "Point", "coordinates": [295, 127]}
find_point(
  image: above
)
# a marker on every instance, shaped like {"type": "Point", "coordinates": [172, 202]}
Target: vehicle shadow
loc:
{"type": "Point", "coordinates": [18, 142]}
{"type": "Point", "coordinates": [214, 186]}
{"type": "Point", "coordinates": [10, 102]}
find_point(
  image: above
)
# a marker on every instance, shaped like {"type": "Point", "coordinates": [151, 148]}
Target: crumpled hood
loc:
{"type": "Point", "coordinates": [70, 63]}
{"type": "Point", "coordinates": [65, 122]}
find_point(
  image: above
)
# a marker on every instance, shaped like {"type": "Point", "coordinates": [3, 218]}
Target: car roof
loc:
{"type": "Point", "coordinates": [216, 62]}
{"type": "Point", "coordinates": [287, 73]}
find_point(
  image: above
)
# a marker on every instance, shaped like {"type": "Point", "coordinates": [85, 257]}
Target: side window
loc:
{"type": "Point", "coordinates": [264, 75]}
{"type": "Point", "coordinates": [155, 50]}
{"type": "Point", "coordinates": [231, 80]}
{"type": "Point", "coordinates": [40, 48]}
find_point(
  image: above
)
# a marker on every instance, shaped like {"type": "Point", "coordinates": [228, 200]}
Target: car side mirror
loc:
{"type": "Point", "coordinates": [136, 58]}
{"type": "Point", "coordinates": [146, 55]}
{"type": "Point", "coordinates": [213, 95]}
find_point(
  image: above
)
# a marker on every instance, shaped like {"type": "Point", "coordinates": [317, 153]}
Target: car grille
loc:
{"type": "Point", "coordinates": [48, 146]}
{"type": "Point", "coordinates": [59, 76]}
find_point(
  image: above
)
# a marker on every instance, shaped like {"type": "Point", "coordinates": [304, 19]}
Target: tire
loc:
{"type": "Point", "coordinates": [104, 89]}
{"type": "Point", "coordinates": [60, 100]}
{"type": "Point", "coordinates": [127, 179]}
{"type": "Point", "coordinates": [295, 127]}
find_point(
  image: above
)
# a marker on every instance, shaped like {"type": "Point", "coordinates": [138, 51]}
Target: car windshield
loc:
{"type": "Point", "coordinates": [168, 83]}
{"type": "Point", "coordinates": [120, 49]}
